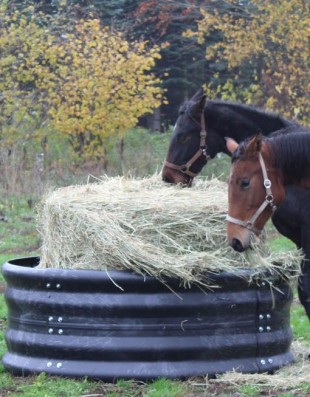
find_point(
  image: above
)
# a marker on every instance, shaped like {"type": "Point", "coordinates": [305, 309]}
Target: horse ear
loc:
{"type": "Point", "coordinates": [198, 95]}
{"type": "Point", "coordinates": [202, 102]}
{"type": "Point", "coordinates": [255, 144]}
{"type": "Point", "coordinates": [199, 101]}
{"type": "Point", "coordinates": [231, 144]}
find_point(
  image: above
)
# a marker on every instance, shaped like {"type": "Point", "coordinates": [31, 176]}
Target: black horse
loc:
{"type": "Point", "coordinates": [200, 131]}
{"type": "Point", "coordinates": [199, 135]}
{"type": "Point", "coordinates": [292, 220]}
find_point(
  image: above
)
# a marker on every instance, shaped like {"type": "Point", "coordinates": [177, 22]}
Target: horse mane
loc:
{"type": "Point", "coordinates": [232, 110]}
{"type": "Point", "coordinates": [241, 149]}
{"type": "Point", "coordinates": [290, 150]}
{"type": "Point", "coordinates": [220, 113]}
{"type": "Point", "coordinates": [285, 144]}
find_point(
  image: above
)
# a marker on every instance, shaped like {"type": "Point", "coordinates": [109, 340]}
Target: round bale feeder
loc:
{"type": "Point", "coordinates": [136, 281]}
{"type": "Point", "coordinates": [78, 323]}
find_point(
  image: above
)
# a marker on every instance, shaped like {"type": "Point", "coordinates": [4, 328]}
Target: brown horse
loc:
{"type": "Point", "coordinates": [257, 185]}
{"type": "Point", "coordinates": [261, 168]}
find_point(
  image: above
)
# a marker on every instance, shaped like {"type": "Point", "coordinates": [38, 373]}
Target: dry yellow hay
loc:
{"type": "Point", "coordinates": [288, 377]}
{"type": "Point", "coordinates": [146, 226]}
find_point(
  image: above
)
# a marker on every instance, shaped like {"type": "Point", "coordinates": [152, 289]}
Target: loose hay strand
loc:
{"type": "Point", "coordinates": [288, 377]}
{"type": "Point", "coordinates": [149, 227]}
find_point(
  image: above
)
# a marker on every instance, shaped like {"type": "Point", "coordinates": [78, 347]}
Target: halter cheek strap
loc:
{"type": "Point", "coordinates": [267, 202]}
{"type": "Point", "coordinates": [202, 151]}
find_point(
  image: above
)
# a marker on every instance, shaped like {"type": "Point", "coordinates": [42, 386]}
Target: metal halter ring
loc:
{"type": "Point", "coordinates": [249, 225]}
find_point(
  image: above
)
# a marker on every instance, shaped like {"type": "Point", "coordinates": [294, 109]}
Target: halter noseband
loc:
{"type": "Point", "coordinates": [185, 168]}
{"type": "Point", "coordinates": [268, 201]}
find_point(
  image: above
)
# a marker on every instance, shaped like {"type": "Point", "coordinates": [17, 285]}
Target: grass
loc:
{"type": "Point", "coordinates": [44, 386]}
{"type": "Point", "coordinates": [17, 231]}
{"type": "Point", "coordinates": [19, 238]}
{"type": "Point", "coordinates": [299, 322]}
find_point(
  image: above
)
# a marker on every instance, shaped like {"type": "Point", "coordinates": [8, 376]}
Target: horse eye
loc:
{"type": "Point", "coordinates": [245, 183]}
{"type": "Point", "coordinates": [183, 138]}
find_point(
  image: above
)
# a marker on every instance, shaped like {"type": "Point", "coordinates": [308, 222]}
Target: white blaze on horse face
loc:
{"type": "Point", "coordinates": [175, 126]}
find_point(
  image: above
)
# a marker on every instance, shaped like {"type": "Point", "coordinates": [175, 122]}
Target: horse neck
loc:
{"type": "Point", "coordinates": [239, 121]}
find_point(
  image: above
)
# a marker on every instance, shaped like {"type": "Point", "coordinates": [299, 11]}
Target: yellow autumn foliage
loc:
{"type": "Point", "coordinates": [273, 37]}
{"type": "Point", "coordinates": [85, 82]}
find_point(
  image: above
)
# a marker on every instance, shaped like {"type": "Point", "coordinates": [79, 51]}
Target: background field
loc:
{"type": "Point", "coordinates": [144, 154]}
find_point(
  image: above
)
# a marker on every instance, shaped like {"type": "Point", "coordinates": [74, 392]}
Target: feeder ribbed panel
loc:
{"type": "Point", "coordinates": [78, 323]}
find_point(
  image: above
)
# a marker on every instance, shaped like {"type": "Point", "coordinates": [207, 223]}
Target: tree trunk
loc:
{"type": "Point", "coordinates": [157, 120]}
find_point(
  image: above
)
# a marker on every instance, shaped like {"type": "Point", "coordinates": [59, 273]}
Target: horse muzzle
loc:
{"type": "Point", "coordinates": [240, 238]}
{"type": "Point", "coordinates": [170, 175]}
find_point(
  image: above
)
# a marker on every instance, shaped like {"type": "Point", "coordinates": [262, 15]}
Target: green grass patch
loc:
{"type": "Point", "coordinates": [300, 323]}
{"type": "Point", "coordinates": [165, 388]}
{"type": "Point", "coordinates": [18, 232]}
{"type": "Point", "coordinates": [280, 244]}
{"type": "Point", "coordinates": [45, 386]}
{"type": "Point", "coordinates": [249, 390]}
{"type": "Point", "coordinates": [305, 388]}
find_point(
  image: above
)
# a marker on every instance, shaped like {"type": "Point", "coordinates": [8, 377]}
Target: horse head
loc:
{"type": "Point", "coordinates": [187, 149]}
{"type": "Point", "coordinates": [200, 131]}
{"type": "Point", "coordinates": [255, 189]}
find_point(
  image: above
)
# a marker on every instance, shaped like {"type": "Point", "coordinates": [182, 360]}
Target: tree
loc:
{"type": "Point", "coordinates": [103, 84]}
{"type": "Point", "coordinates": [21, 43]}
{"type": "Point", "coordinates": [83, 80]}
{"type": "Point", "coordinates": [183, 66]}
{"type": "Point", "coordinates": [269, 39]}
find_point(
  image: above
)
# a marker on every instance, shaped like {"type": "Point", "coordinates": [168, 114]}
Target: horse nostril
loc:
{"type": "Point", "coordinates": [167, 179]}
{"type": "Point", "coordinates": [237, 246]}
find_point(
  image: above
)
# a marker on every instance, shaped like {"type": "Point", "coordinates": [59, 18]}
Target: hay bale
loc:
{"type": "Point", "coordinates": [146, 226]}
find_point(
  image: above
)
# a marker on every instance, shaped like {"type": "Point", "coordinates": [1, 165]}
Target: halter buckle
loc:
{"type": "Point", "coordinates": [269, 198]}
{"type": "Point", "coordinates": [267, 183]}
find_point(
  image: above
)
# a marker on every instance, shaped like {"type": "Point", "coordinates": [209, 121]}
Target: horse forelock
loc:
{"type": "Point", "coordinates": [240, 152]}
{"type": "Point", "coordinates": [236, 155]}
